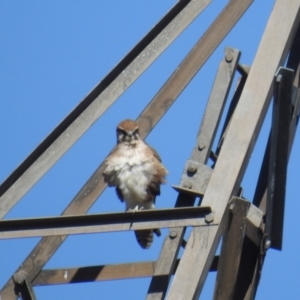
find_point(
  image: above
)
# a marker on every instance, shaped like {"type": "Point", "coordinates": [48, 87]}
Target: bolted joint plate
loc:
{"type": "Point", "coordinates": [195, 178]}
{"type": "Point", "coordinates": [20, 277]}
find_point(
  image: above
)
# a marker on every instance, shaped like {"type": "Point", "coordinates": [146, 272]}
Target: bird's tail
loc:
{"type": "Point", "coordinates": [145, 237]}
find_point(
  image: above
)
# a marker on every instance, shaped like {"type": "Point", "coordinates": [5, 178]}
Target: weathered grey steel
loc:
{"type": "Point", "coordinates": [97, 102]}
{"type": "Point", "coordinates": [166, 262]}
{"type": "Point", "coordinates": [231, 109]}
{"type": "Point", "coordinates": [261, 189]}
{"type": "Point", "coordinates": [101, 273]}
{"type": "Point", "coordinates": [224, 182]}
{"type": "Point", "coordinates": [137, 220]}
{"type": "Point", "coordinates": [293, 62]}
{"type": "Point", "coordinates": [195, 182]}
{"type": "Point", "coordinates": [237, 147]}
{"type": "Point", "coordinates": [260, 197]}
{"type": "Point", "coordinates": [279, 153]}
{"type": "Point", "coordinates": [23, 288]}
{"type": "Point", "coordinates": [194, 166]}
{"type": "Point", "coordinates": [217, 98]}
{"type": "Point", "coordinates": [95, 273]}
{"type": "Point", "coordinates": [240, 215]}
{"type": "Point", "coordinates": [150, 116]}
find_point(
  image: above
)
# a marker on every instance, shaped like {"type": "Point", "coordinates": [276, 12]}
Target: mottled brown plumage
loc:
{"type": "Point", "coordinates": [135, 169]}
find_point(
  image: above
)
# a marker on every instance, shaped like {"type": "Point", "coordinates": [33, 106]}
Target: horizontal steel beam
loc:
{"type": "Point", "coordinates": [98, 101]}
{"type": "Point", "coordinates": [102, 273]}
{"type": "Point", "coordinates": [79, 224]}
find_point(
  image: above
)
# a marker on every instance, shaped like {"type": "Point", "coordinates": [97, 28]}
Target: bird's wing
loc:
{"type": "Point", "coordinates": [119, 194]}
{"type": "Point", "coordinates": [153, 190]}
{"type": "Point", "coordinates": [154, 152]}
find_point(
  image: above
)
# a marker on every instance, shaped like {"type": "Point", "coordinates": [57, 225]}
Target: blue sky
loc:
{"type": "Point", "coordinates": [52, 54]}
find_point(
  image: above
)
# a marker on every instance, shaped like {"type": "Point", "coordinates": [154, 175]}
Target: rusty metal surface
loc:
{"type": "Point", "coordinates": [135, 220]}
{"type": "Point", "coordinates": [237, 146]}
{"type": "Point", "coordinates": [98, 101]}
{"type": "Point", "coordinates": [200, 155]}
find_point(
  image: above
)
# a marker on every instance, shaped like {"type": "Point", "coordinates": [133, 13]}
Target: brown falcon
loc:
{"type": "Point", "coordinates": [135, 169]}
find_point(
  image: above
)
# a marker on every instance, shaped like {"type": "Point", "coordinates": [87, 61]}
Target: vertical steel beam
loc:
{"type": "Point", "coordinates": [260, 198]}
{"type": "Point", "coordinates": [200, 154]}
{"type": "Point", "coordinates": [279, 153]}
{"type": "Point", "coordinates": [231, 251]}
{"type": "Point", "coordinates": [260, 195]}
{"type": "Point", "coordinates": [237, 147]}
{"type": "Point", "coordinates": [240, 249]}
{"type": "Point", "coordinates": [231, 109]}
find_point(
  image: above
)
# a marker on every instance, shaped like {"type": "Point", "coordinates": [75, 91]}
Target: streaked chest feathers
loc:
{"type": "Point", "coordinates": [132, 168]}
{"type": "Point", "coordinates": [135, 169]}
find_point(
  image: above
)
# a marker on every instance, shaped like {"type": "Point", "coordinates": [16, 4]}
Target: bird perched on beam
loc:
{"type": "Point", "coordinates": [135, 169]}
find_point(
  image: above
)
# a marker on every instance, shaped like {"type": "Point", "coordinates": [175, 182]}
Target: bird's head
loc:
{"type": "Point", "coordinates": [127, 132]}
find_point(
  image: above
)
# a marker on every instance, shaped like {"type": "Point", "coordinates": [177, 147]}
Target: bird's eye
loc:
{"type": "Point", "coordinates": [136, 131]}
{"type": "Point", "coordinates": [121, 131]}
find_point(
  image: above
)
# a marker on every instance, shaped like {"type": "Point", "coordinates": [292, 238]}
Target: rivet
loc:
{"type": "Point", "coordinates": [173, 234]}
{"type": "Point", "coordinates": [201, 146]}
{"type": "Point", "coordinates": [267, 244]}
{"type": "Point", "coordinates": [228, 57]}
{"type": "Point", "coordinates": [187, 185]}
{"type": "Point", "coordinates": [209, 218]}
{"type": "Point", "coordinates": [192, 169]}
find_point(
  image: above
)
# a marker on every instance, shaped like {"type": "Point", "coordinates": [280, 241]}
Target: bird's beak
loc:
{"type": "Point", "coordinates": [129, 136]}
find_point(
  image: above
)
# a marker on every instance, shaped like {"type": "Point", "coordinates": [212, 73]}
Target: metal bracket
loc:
{"type": "Point", "coordinates": [23, 287]}
{"type": "Point", "coordinates": [195, 178]}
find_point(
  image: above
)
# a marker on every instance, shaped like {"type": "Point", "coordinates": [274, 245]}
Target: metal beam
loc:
{"type": "Point", "coordinates": [150, 116]}
{"type": "Point", "coordinates": [279, 153]}
{"type": "Point", "coordinates": [94, 273]}
{"type": "Point", "coordinates": [260, 195]}
{"type": "Point", "coordinates": [261, 188]}
{"type": "Point", "coordinates": [237, 147]}
{"type": "Point", "coordinates": [232, 280]}
{"type": "Point", "coordinates": [23, 288]}
{"type": "Point", "coordinates": [98, 101]}
{"type": "Point", "coordinates": [102, 273]}
{"type": "Point", "coordinates": [231, 109]}
{"type": "Point", "coordinates": [135, 220]}
{"type": "Point", "coordinates": [193, 180]}
{"type": "Point", "coordinates": [216, 103]}
{"type": "Point", "coordinates": [231, 249]}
